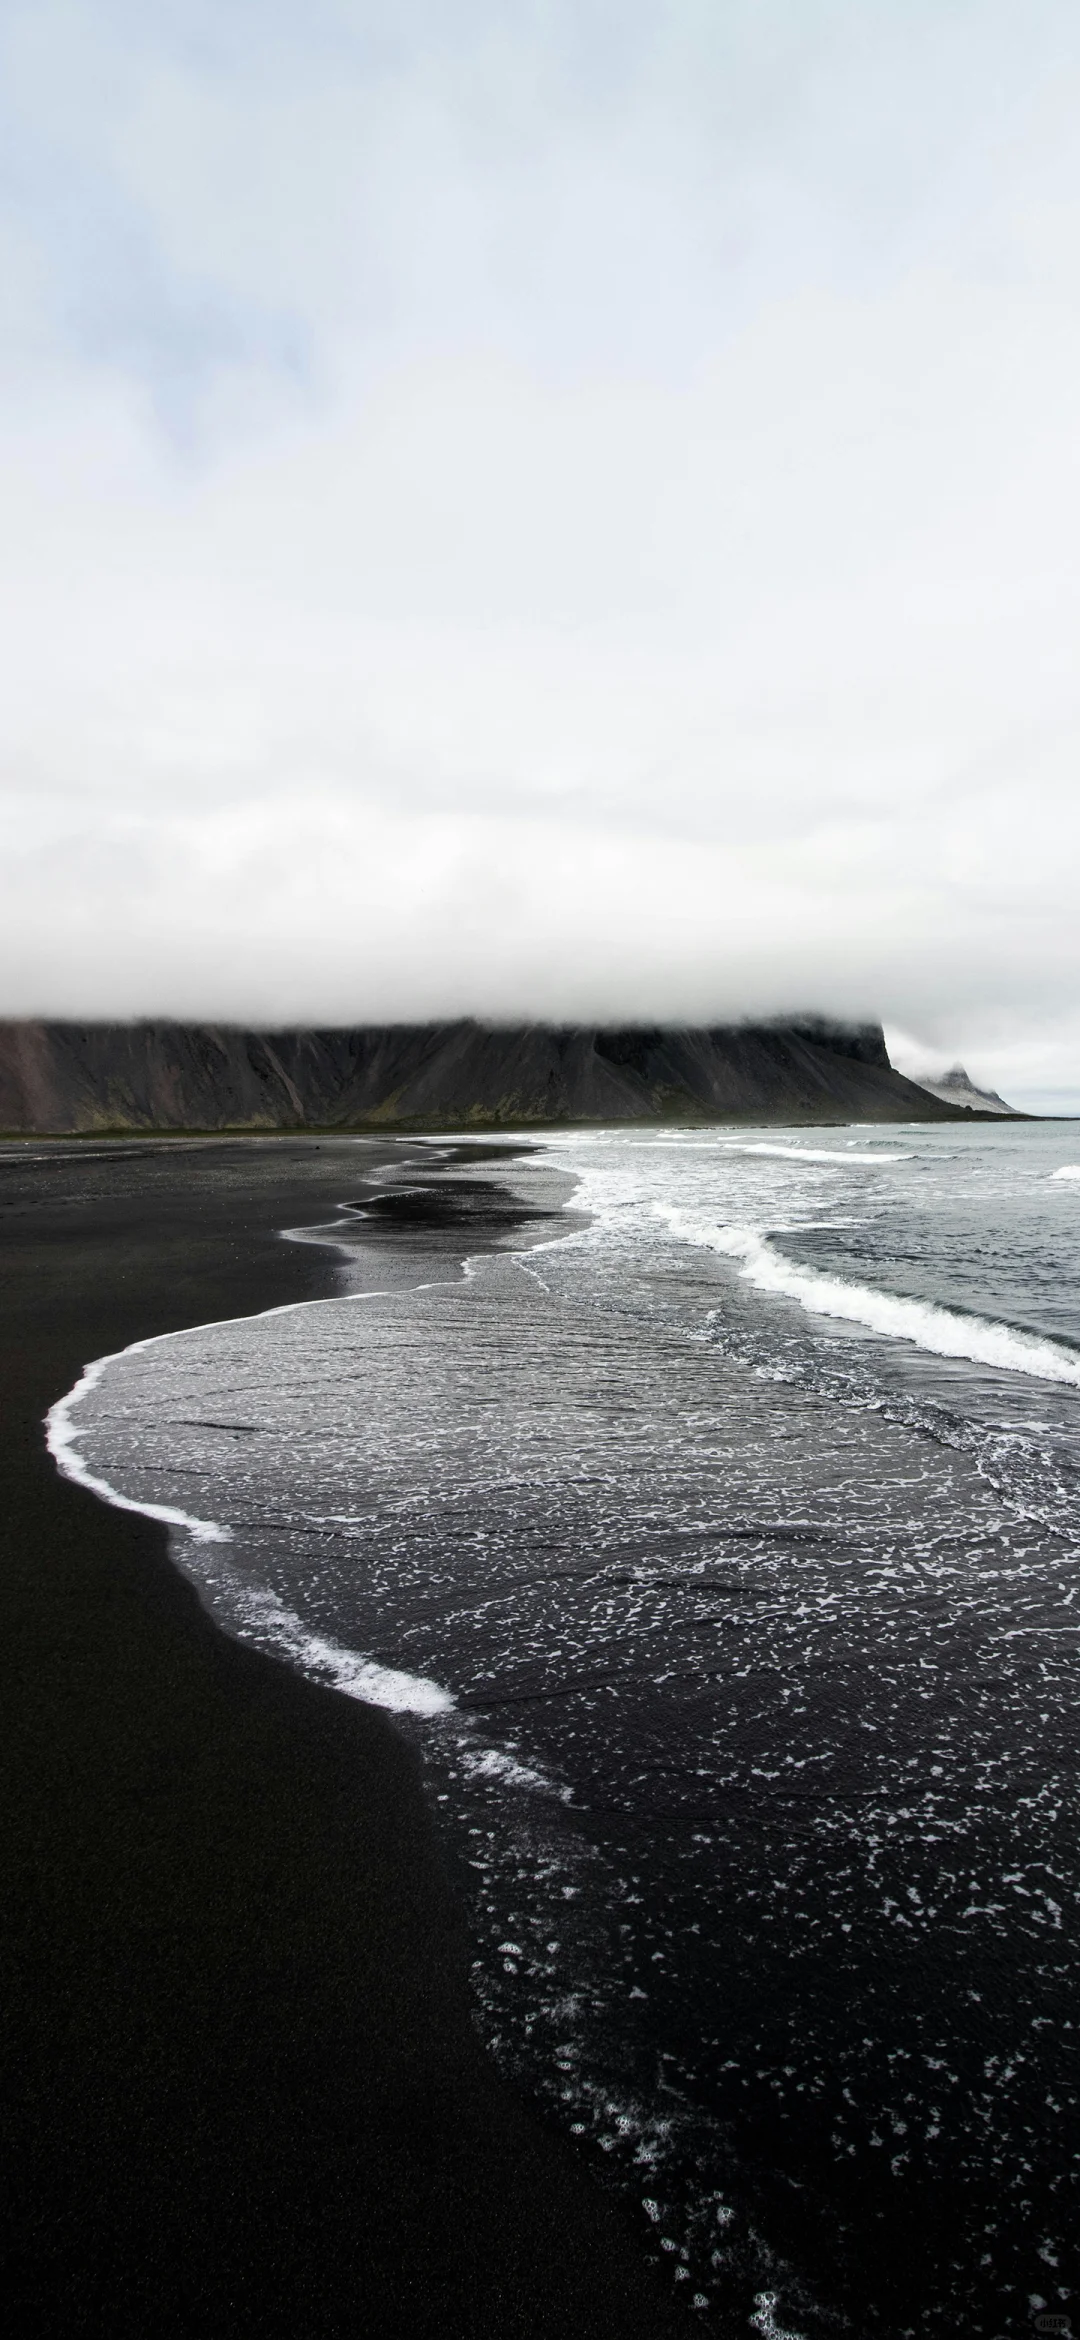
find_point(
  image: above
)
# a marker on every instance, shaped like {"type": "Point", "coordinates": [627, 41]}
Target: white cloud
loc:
{"type": "Point", "coordinates": [559, 511]}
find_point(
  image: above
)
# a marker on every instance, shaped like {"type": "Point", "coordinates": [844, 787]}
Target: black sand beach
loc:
{"type": "Point", "coordinates": [242, 2088]}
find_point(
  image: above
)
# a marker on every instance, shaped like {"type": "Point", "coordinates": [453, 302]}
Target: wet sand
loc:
{"type": "Point", "coordinates": [243, 2091]}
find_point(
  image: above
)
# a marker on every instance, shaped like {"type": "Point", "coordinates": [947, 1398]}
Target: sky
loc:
{"type": "Point", "coordinates": [560, 508]}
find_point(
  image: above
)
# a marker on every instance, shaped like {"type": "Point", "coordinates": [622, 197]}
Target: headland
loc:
{"type": "Point", "coordinates": [93, 1077]}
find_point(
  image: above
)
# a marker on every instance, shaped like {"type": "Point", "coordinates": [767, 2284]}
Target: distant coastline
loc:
{"type": "Point", "coordinates": [67, 1078]}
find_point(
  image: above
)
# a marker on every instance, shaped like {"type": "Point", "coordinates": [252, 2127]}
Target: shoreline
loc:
{"type": "Point", "coordinates": [463, 1128]}
{"type": "Point", "coordinates": [244, 2089]}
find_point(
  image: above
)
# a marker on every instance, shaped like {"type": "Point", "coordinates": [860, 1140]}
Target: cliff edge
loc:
{"type": "Point", "coordinates": [73, 1077]}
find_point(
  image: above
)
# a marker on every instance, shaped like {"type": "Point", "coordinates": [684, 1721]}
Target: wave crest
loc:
{"type": "Point", "coordinates": [941, 1331]}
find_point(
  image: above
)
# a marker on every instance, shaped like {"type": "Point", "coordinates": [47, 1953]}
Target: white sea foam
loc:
{"type": "Point", "coordinates": [942, 1331]}
{"type": "Point", "coordinates": [329, 1661]}
{"type": "Point", "coordinates": [60, 1428]}
{"type": "Point", "coordinates": [493, 1763]}
{"type": "Point", "coordinates": [60, 1439]}
{"type": "Point", "coordinates": [810, 1153]}
{"type": "Point", "coordinates": [60, 1431]}
{"type": "Point", "coordinates": [258, 1612]}
{"type": "Point", "coordinates": [1067, 1170]}
{"type": "Point", "coordinates": [278, 1627]}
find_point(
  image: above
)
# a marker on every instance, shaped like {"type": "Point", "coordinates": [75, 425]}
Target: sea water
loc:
{"type": "Point", "coordinates": [722, 1553]}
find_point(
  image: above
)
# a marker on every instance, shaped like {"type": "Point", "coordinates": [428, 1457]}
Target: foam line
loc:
{"type": "Point", "coordinates": [60, 1430]}
{"type": "Point", "coordinates": [1067, 1170]}
{"type": "Point", "coordinates": [810, 1153]}
{"type": "Point", "coordinates": [942, 1331]}
{"type": "Point", "coordinates": [343, 1669]}
{"type": "Point", "coordinates": [327, 1661]}
{"type": "Point", "coordinates": [60, 1440]}
{"type": "Point", "coordinates": [494, 1763]}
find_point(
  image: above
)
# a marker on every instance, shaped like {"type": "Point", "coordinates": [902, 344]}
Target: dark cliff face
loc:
{"type": "Point", "coordinates": [68, 1077]}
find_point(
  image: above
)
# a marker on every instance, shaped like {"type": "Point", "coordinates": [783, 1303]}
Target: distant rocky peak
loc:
{"type": "Point", "coordinates": [956, 1087]}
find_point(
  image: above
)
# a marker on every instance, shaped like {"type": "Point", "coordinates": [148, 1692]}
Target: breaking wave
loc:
{"type": "Point", "coordinates": [944, 1332]}
{"type": "Point", "coordinates": [813, 1153]}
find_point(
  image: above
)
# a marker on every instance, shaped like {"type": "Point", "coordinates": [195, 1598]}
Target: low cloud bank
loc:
{"type": "Point", "coordinates": [546, 519]}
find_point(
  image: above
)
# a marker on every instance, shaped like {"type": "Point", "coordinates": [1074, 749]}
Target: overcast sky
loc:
{"type": "Point", "coordinates": [563, 507]}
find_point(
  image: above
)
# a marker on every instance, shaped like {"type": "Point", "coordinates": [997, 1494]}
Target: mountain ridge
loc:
{"type": "Point", "coordinates": [956, 1087]}
{"type": "Point", "coordinates": [63, 1077]}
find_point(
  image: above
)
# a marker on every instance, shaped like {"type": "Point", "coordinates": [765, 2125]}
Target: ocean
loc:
{"type": "Point", "coordinates": [718, 1543]}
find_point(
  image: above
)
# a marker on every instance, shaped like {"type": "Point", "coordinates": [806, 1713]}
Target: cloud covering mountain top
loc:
{"type": "Point", "coordinates": [545, 511]}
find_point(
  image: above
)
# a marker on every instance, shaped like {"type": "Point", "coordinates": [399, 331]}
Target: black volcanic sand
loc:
{"type": "Point", "coordinates": [242, 2089]}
